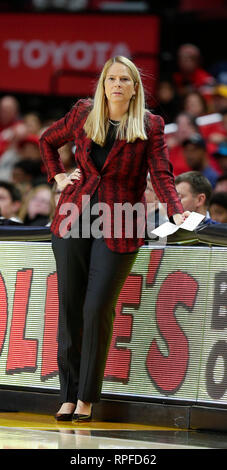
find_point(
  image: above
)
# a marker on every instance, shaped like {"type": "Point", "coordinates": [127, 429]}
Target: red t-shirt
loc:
{"type": "Point", "coordinates": [176, 156]}
{"type": "Point", "coordinates": [198, 78]}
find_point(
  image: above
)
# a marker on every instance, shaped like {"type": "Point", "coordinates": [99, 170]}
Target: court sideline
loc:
{"type": "Point", "coordinates": [40, 431]}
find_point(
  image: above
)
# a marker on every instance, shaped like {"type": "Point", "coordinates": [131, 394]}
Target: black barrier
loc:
{"type": "Point", "coordinates": [24, 233]}
{"type": "Point", "coordinates": [213, 234]}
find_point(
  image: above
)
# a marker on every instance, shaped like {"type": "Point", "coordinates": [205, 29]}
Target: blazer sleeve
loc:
{"type": "Point", "coordinates": [161, 169]}
{"type": "Point", "coordinates": [58, 134]}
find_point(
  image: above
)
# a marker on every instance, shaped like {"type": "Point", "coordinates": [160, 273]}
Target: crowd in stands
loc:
{"type": "Point", "coordinates": [25, 196]}
{"type": "Point", "coordinates": [197, 147]}
{"type": "Point", "coordinates": [195, 100]}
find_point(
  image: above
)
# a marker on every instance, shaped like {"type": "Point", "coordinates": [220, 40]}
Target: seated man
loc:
{"type": "Point", "coordinates": [197, 157]}
{"type": "Point", "coordinates": [194, 191]}
{"type": "Point", "coordinates": [218, 207]}
{"type": "Point", "coordinates": [221, 184]}
{"type": "Point", "coordinates": [10, 202]}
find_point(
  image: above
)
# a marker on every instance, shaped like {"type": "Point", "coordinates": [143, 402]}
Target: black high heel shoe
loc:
{"type": "Point", "coordinates": [81, 417]}
{"type": "Point", "coordinates": [64, 416]}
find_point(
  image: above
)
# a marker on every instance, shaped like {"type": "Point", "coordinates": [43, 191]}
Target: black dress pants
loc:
{"type": "Point", "coordinates": [90, 278]}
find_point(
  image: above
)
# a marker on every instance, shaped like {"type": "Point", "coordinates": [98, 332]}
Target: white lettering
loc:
{"type": "Point", "coordinates": [79, 55]}
{"type": "Point", "coordinates": [103, 220]}
{"type": "Point", "coordinates": [58, 52]}
{"type": "Point", "coordinates": [129, 223]}
{"type": "Point", "coordinates": [68, 227]}
{"type": "Point", "coordinates": [101, 48]}
{"type": "Point", "coordinates": [82, 460]}
{"type": "Point", "coordinates": [35, 54]}
{"type": "Point", "coordinates": [14, 49]}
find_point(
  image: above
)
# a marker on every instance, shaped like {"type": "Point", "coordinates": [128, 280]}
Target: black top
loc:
{"type": "Point", "coordinates": [99, 154]}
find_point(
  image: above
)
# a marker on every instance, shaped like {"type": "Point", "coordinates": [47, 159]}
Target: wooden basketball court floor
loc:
{"type": "Point", "coordinates": [19, 430]}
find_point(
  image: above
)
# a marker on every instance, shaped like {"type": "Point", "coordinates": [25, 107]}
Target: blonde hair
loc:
{"type": "Point", "coordinates": [132, 123]}
{"type": "Point", "coordinates": [24, 206]}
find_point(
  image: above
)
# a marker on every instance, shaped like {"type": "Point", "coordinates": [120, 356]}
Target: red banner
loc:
{"type": "Point", "coordinates": [63, 54]}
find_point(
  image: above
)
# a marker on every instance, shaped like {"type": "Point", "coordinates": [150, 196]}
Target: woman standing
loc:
{"type": "Point", "coordinates": [117, 143]}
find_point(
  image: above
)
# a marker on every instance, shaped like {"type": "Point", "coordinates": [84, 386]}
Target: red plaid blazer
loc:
{"type": "Point", "coordinates": [122, 178]}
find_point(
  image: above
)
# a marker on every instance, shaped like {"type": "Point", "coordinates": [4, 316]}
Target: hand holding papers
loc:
{"type": "Point", "coordinates": [192, 221]}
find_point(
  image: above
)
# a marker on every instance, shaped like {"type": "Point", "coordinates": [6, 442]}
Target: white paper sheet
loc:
{"type": "Point", "coordinates": [168, 228]}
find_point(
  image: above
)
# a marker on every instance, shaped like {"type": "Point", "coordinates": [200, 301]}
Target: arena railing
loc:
{"type": "Point", "coordinates": [212, 235]}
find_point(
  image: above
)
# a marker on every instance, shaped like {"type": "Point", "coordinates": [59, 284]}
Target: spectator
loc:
{"type": "Point", "coordinates": [219, 71]}
{"type": "Point", "coordinates": [7, 161]}
{"type": "Point", "coordinates": [168, 101]}
{"type": "Point", "coordinates": [10, 201]}
{"type": "Point", "coordinates": [194, 104]}
{"type": "Point", "coordinates": [216, 132]}
{"type": "Point", "coordinates": [28, 147]}
{"type": "Point", "coordinates": [27, 171]}
{"type": "Point", "coordinates": [221, 155]}
{"type": "Point", "coordinates": [9, 112]}
{"type": "Point", "coordinates": [37, 206]}
{"type": "Point", "coordinates": [11, 127]}
{"type": "Point", "coordinates": [186, 126]}
{"type": "Point", "coordinates": [197, 157]}
{"type": "Point", "coordinates": [190, 75]}
{"type": "Point", "coordinates": [224, 120]}
{"type": "Point", "coordinates": [219, 98]}
{"type": "Point", "coordinates": [218, 207]}
{"type": "Point", "coordinates": [15, 143]}
{"type": "Point", "coordinates": [221, 184]}
{"type": "Point", "coordinates": [33, 123]}
{"type": "Point", "coordinates": [194, 191]}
